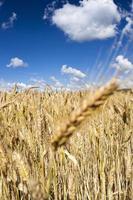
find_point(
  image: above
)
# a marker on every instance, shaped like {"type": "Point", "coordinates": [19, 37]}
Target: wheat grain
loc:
{"type": "Point", "coordinates": [76, 118]}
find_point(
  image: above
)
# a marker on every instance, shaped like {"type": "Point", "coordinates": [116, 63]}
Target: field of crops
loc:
{"type": "Point", "coordinates": [92, 160]}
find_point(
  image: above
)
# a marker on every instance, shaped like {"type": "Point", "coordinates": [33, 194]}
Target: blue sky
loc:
{"type": "Point", "coordinates": [39, 37]}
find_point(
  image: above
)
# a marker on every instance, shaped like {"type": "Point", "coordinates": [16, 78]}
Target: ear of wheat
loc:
{"type": "Point", "coordinates": [87, 108]}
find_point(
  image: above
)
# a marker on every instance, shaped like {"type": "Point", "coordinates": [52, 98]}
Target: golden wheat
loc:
{"type": "Point", "coordinates": [97, 162]}
{"type": "Point", "coordinates": [97, 99]}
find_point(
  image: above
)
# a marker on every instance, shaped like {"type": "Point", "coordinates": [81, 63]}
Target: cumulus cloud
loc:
{"type": "Point", "coordinates": [126, 83]}
{"type": "Point", "coordinates": [75, 83]}
{"type": "Point", "coordinates": [123, 64]}
{"type": "Point", "coordinates": [92, 19]}
{"type": "Point", "coordinates": [57, 83]}
{"type": "Point", "coordinates": [38, 82]}
{"type": "Point", "coordinates": [75, 79]}
{"type": "Point", "coordinates": [49, 10]}
{"type": "Point", "coordinates": [72, 71]}
{"type": "Point", "coordinates": [10, 22]}
{"type": "Point", "coordinates": [21, 85]}
{"type": "Point", "coordinates": [7, 86]}
{"type": "Point", "coordinates": [128, 29]}
{"type": "Point", "coordinates": [17, 62]}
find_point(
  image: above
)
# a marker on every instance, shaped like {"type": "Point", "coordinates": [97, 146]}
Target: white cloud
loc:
{"type": "Point", "coordinates": [128, 29]}
{"type": "Point", "coordinates": [57, 83]}
{"type": "Point", "coordinates": [17, 62]}
{"type": "Point", "coordinates": [49, 10]}
{"type": "Point", "coordinates": [122, 64]}
{"type": "Point", "coordinates": [126, 83]}
{"type": "Point", "coordinates": [7, 86]}
{"type": "Point", "coordinates": [126, 80]}
{"type": "Point", "coordinates": [75, 83]}
{"type": "Point", "coordinates": [72, 71]}
{"type": "Point", "coordinates": [92, 19]}
{"type": "Point", "coordinates": [22, 85]}
{"type": "Point", "coordinates": [38, 82]}
{"type": "Point", "coordinates": [10, 22]}
{"type": "Point", "coordinates": [75, 79]}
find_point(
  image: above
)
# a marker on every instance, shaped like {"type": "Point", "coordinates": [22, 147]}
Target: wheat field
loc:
{"type": "Point", "coordinates": [93, 161]}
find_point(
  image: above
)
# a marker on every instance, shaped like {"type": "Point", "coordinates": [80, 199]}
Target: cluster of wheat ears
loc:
{"type": "Point", "coordinates": [39, 160]}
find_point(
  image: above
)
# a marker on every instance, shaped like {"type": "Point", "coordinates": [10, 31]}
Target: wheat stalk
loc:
{"type": "Point", "coordinates": [3, 157]}
{"type": "Point", "coordinates": [21, 166]}
{"type": "Point", "coordinates": [76, 118]}
{"type": "Point", "coordinates": [8, 103]}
